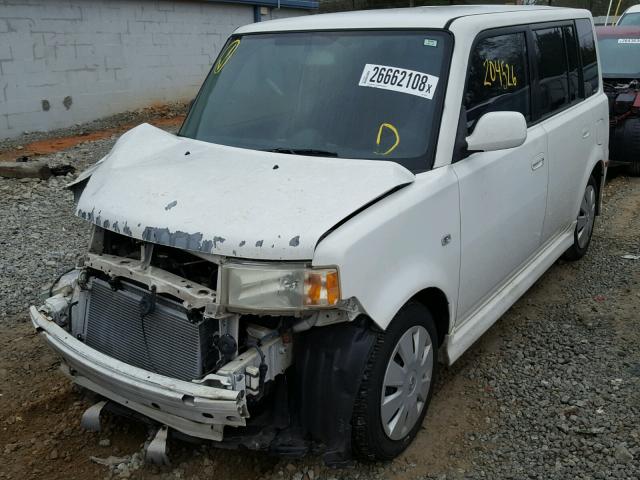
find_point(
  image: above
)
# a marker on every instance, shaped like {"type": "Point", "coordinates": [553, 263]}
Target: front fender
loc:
{"type": "Point", "coordinates": [399, 246]}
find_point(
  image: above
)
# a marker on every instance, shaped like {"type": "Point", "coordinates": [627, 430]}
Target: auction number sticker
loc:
{"type": "Point", "coordinates": [399, 80]}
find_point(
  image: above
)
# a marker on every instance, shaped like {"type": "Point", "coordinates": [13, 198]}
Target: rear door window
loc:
{"type": "Point", "coordinates": [498, 77]}
{"type": "Point", "coordinates": [551, 60]}
{"type": "Point", "coordinates": [588, 56]}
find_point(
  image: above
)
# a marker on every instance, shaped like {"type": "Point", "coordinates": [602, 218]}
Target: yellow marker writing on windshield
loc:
{"type": "Point", "coordinates": [395, 132]}
{"type": "Point", "coordinates": [226, 55]}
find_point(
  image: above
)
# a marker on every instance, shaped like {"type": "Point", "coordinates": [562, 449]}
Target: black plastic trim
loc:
{"type": "Point", "coordinates": [329, 364]}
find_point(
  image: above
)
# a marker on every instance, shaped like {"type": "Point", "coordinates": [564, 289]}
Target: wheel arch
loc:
{"type": "Point", "coordinates": [599, 172]}
{"type": "Point", "coordinates": [435, 300]}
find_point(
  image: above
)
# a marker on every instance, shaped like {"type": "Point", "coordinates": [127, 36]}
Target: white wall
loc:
{"type": "Point", "coordinates": [104, 56]}
{"type": "Point", "coordinates": [269, 13]}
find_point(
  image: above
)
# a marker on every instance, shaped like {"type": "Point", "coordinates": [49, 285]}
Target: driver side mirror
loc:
{"type": "Point", "coordinates": [497, 131]}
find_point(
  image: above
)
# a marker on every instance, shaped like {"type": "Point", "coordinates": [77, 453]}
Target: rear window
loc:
{"type": "Point", "coordinates": [620, 57]}
{"type": "Point", "coordinates": [629, 20]}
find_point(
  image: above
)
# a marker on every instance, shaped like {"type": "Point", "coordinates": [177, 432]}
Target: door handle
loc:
{"type": "Point", "coordinates": [537, 163]}
{"type": "Point", "coordinates": [586, 133]}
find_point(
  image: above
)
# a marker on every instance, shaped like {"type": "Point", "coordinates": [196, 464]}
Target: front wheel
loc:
{"type": "Point", "coordinates": [586, 220]}
{"type": "Point", "coordinates": [397, 385]}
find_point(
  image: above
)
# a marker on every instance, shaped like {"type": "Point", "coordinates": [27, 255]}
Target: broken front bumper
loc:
{"type": "Point", "coordinates": [193, 409]}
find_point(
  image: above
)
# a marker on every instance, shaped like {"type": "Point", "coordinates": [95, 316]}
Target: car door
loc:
{"type": "Point", "coordinates": [569, 121]}
{"type": "Point", "coordinates": [502, 193]}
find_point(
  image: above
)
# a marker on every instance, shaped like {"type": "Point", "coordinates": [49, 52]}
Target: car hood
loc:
{"type": "Point", "coordinates": [210, 198]}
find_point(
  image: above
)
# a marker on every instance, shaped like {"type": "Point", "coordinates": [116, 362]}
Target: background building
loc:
{"type": "Point", "coordinates": [70, 61]}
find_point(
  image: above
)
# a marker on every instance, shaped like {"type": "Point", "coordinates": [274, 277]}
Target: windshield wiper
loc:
{"type": "Point", "coordinates": [303, 151]}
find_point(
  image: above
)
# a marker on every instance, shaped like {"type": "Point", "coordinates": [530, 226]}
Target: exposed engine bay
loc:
{"type": "Point", "coordinates": [141, 324]}
{"type": "Point", "coordinates": [624, 119]}
{"type": "Point", "coordinates": [151, 306]}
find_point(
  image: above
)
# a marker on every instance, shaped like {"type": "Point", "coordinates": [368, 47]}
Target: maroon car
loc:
{"type": "Point", "coordinates": [620, 60]}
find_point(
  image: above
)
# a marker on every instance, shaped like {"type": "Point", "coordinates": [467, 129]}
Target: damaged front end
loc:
{"type": "Point", "coordinates": [198, 303]}
{"type": "Point", "coordinates": [202, 344]}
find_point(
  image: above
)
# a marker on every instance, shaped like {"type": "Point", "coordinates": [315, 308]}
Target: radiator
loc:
{"type": "Point", "coordinates": [164, 341]}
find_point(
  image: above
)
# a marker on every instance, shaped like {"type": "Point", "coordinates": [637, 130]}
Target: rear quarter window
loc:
{"type": "Point", "coordinates": [588, 55]}
{"type": "Point", "coordinates": [574, 62]}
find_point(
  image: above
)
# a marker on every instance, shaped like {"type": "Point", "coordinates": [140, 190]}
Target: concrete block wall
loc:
{"type": "Point", "coordinates": [70, 61]}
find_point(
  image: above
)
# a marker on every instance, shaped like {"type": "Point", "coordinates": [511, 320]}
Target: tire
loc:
{"type": "Point", "coordinates": [583, 231]}
{"type": "Point", "coordinates": [371, 440]}
{"type": "Point", "coordinates": [631, 143]}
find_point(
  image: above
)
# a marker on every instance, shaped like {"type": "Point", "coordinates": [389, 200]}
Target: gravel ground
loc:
{"type": "Point", "coordinates": [552, 391]}
{"type": "Point", "coordinates": [566, 378]}
{"type": "Point", "coordinates": [39, 237]}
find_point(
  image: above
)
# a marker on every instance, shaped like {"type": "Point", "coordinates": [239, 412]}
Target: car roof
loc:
{"type": "Point", "coordinates": [618, 32]}
{"type": "Point", "coordinates": [416, 17]}
{"type": "Point", "coordinates": [632, 9]}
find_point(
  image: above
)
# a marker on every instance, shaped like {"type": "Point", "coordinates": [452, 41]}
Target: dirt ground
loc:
{"type": "Point", "coordinates": [41, 437]}
{"type": "Point", "coordinates": [163, 116]}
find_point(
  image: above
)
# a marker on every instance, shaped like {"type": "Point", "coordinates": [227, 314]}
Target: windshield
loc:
{"type": "Point", "coordinates": [620, 57]}
{"type": "Point", "coordinates": [357, 94]}
{"type": "Point", "coordinates": [629, 20]}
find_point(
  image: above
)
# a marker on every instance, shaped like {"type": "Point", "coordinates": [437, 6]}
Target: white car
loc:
{"type": "Point", "coordinates": [630, 17]}
{"type": "Point", "coordinates": [353, 199]}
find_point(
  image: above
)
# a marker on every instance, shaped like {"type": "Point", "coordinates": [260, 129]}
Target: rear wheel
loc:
{"type": "Point", "coordinates": [397, 385]}
{"type": "Point", "coordinates": [631, 150]}
{"type": "Point", "coordinates": [586, 220]}
{"type": "Point", "coordinates": [634, 167]}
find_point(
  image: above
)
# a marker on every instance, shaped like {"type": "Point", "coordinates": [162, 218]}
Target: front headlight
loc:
{"type": "Point", "coordinates": [251, 287]}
